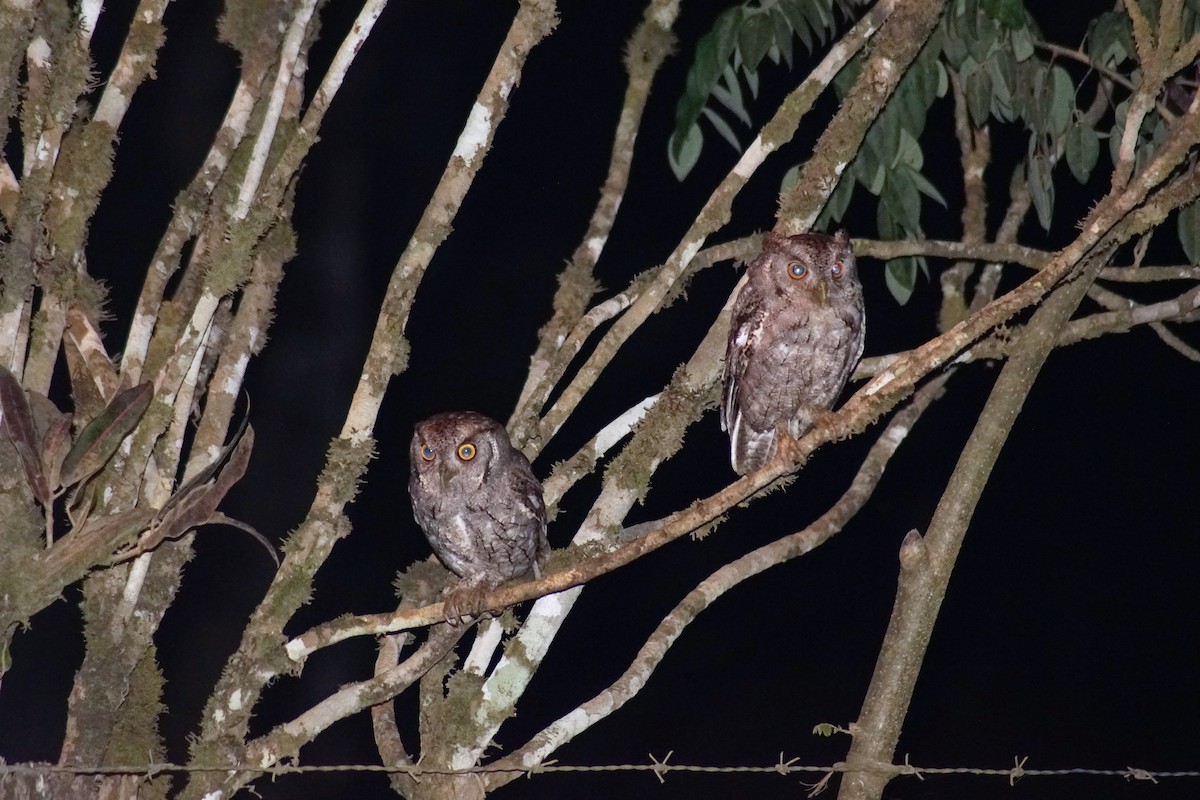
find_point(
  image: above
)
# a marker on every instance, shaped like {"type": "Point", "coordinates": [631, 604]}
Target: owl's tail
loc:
{"type": "Point", "coordinates": [750, 449]}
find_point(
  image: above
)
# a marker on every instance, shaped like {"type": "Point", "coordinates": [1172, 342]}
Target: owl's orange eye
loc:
{"type": "Point", "coordinates": [796, 269]}
{"type": "Point", "coordinates": [427, 453]}
{"type": "Point", "coordinates": [838, 269]}
{"type": "Point", "coordinates": [466, 451]}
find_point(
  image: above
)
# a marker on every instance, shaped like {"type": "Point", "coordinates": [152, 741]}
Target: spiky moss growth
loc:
{"type": "Point", "coordinates": [421, 583]}
{"type": "Point", "coordinates": [449, 720]}
{"type": "Point", "coordinates": [249, 25]}
{"type": "Point", "coordinates": [170, 320]}
{"type": "Point", "coordinates": [345, 465]}
{"type": "Point", "coordinates": [659, 435]}
{"type": "Point", "coordinates": [84, 168]}
{"type": "Point", "coordinates": [21, 542]}
{"type": "Point", "coordinates": [16, 26]}
{"type": "Point", "coordinates": [135, 739]}
{"type": "Point", "coordinates": [647, 48]}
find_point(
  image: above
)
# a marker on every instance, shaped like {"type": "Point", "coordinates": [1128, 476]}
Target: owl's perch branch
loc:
{"type": "Point", "coordinates": [797, 544]}
{"type": "Point", "coordinates": [889, 387]}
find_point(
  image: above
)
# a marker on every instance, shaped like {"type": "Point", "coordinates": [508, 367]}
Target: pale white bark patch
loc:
{"type": "Point", "coordinates": [594, 247]}
{"type": "Point", "coordinates": [215, 794]}
{"type": "Point", "coordinates": [475, 132]}
{"type": "Point", "coordinates": [234, 381]}
{"type": "Point", "coordinates": [750, 159]}
{"type": "Point", "coordinates": [38, 53]}
{"type": "Point", "coordinates": [690, 251]}
{"type": "Point", "coordinates": [620, 427]}
{"type": "Point", "coordinates": [295, 651]}
{"type": "Point", "coordinates": [235, 700]}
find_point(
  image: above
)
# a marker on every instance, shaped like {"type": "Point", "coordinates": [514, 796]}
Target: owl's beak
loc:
{"type": "Point", "coordinates": [445, 475]}
{"type": "Point", "coordinates": [822, 294]}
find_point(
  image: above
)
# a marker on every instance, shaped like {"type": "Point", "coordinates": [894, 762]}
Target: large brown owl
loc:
{"type": "Point", "coordinates": [795, 335]}
{"type": "Point", "coordinates": [479, 503]}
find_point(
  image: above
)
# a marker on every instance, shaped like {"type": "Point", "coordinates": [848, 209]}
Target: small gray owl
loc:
{"type": "Point", "coordinates": [795, 336]}
{"type": "Point", "coordinates": [479, 503]}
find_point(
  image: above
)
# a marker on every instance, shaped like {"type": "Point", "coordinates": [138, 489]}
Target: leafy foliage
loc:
{"type": "Point", "coordinates": [1007, 74]}
{"type": "Point", "coordinates": [727, 62]}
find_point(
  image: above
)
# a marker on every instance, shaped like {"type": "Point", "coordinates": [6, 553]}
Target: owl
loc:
{"type": "Point", "coordinates": [479, 503]}
{"type": "Point", "coordinates": [795, 335]}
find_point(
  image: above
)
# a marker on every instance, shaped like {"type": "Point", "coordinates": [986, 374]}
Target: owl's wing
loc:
{"type": "Point", "coordinates": [746, 333]}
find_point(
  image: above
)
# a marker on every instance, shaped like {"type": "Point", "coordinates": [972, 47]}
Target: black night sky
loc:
{"type": "Point", "coordinates": [1069, 633]}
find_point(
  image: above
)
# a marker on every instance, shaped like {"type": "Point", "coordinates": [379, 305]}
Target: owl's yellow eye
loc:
{"type": "Point", "coordinates": [466, 451]}
{"type": "Point", "coordinates": [427, 453]}
{"type": "Point", "coordinates": [796, 269]}
{"type": "Point", "coordinates": [838, 269]}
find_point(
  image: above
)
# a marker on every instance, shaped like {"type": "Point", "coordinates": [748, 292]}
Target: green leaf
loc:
{"type": "Point", "coordinates": [1062, 104]}
{"type": "Point", "coordinates": [729, 94]}
{"type": "Point", "coordinates": [790, 23]}
{"type": "Point", "coordinates": [100, 439]}
{"type": "Point", "coordinates": [1041, 187]}
{"type": "Point", "coordinates": [979, 96]}
{"type": "Point", "coordinates": [1009, 13]}
{"type": "Point", "coordinates": [1083, 151]}
{"type": "Point", "coordinates": [723, 128]}
{"type": "Point", "coordinates": [18, 424]}
{"type": "Point", "coordinates": [1189, 231]}
{"type": "Point", "coordinates": [756, 35]}
{"type": "Point", "coordinates": [900, 276]}
{"type": "Point", "coordinates": [839, 201]}
{"type": "Point", "coordinates": [1110, 39]}
{"type": "Point", "coordinates": [928, 189]}
{"type": "Point", "coordinates": [682, 154]}
{"type": "Point", "coordinates": [1022, 43]}
{"type": "Point", "coordinates": [903, 199]}
{"type": "Point", "coordinates": [790, 179]}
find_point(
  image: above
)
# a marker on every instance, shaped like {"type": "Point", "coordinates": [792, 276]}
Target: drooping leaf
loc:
{"type": "Point", "coordinates": [1189, 231]}
{"type": "Point", "coordinates": [100, 439]}
{"type": "Point", "coordinates": [54, 449]}
{"type": "Point", "coordinates": [722, 127]}
{"type": "Point", "coordinates": [728, 92]}
{"type": "Point", "coordinates": [18, 424]}
{"type": "Point", "coordinates": [979, 95]}
{"type": "Point", "coordinates": [1110, 39]}
{"type": "Point", "coordinates": [1083, 150]}
{"type": "Point", "coordinates": [683, 155]}
{"type": "Point", "coordinates": [928, 189]}
{"type": "Point", "coordinates": [1009, 13]}
{"type": "Point", "coordinates": [1022, 43]}
{"type": "Point", "coordinates": [755, 37]}
{"type": "Point", "coordinates": [195, 503]}
{"type": "Point", "coordinates": [1041, 187]}
{"type": "Point", "coordinates": [900, 276]}
{"type": "Point", "coordinates": [1062, 104]}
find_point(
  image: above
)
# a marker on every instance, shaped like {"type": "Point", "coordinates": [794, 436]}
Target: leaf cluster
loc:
{"type": "Point", "coordinates": [1008, 75]}
{"type": "Point", "coordinates": [727, 62]}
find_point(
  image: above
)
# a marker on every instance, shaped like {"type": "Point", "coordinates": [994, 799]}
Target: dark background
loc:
{"type": "Point", "coordinates": [1069, 631]}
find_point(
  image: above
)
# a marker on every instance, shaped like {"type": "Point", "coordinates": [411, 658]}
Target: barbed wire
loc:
{"type": "Point", "coordinates": [660, 769]}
